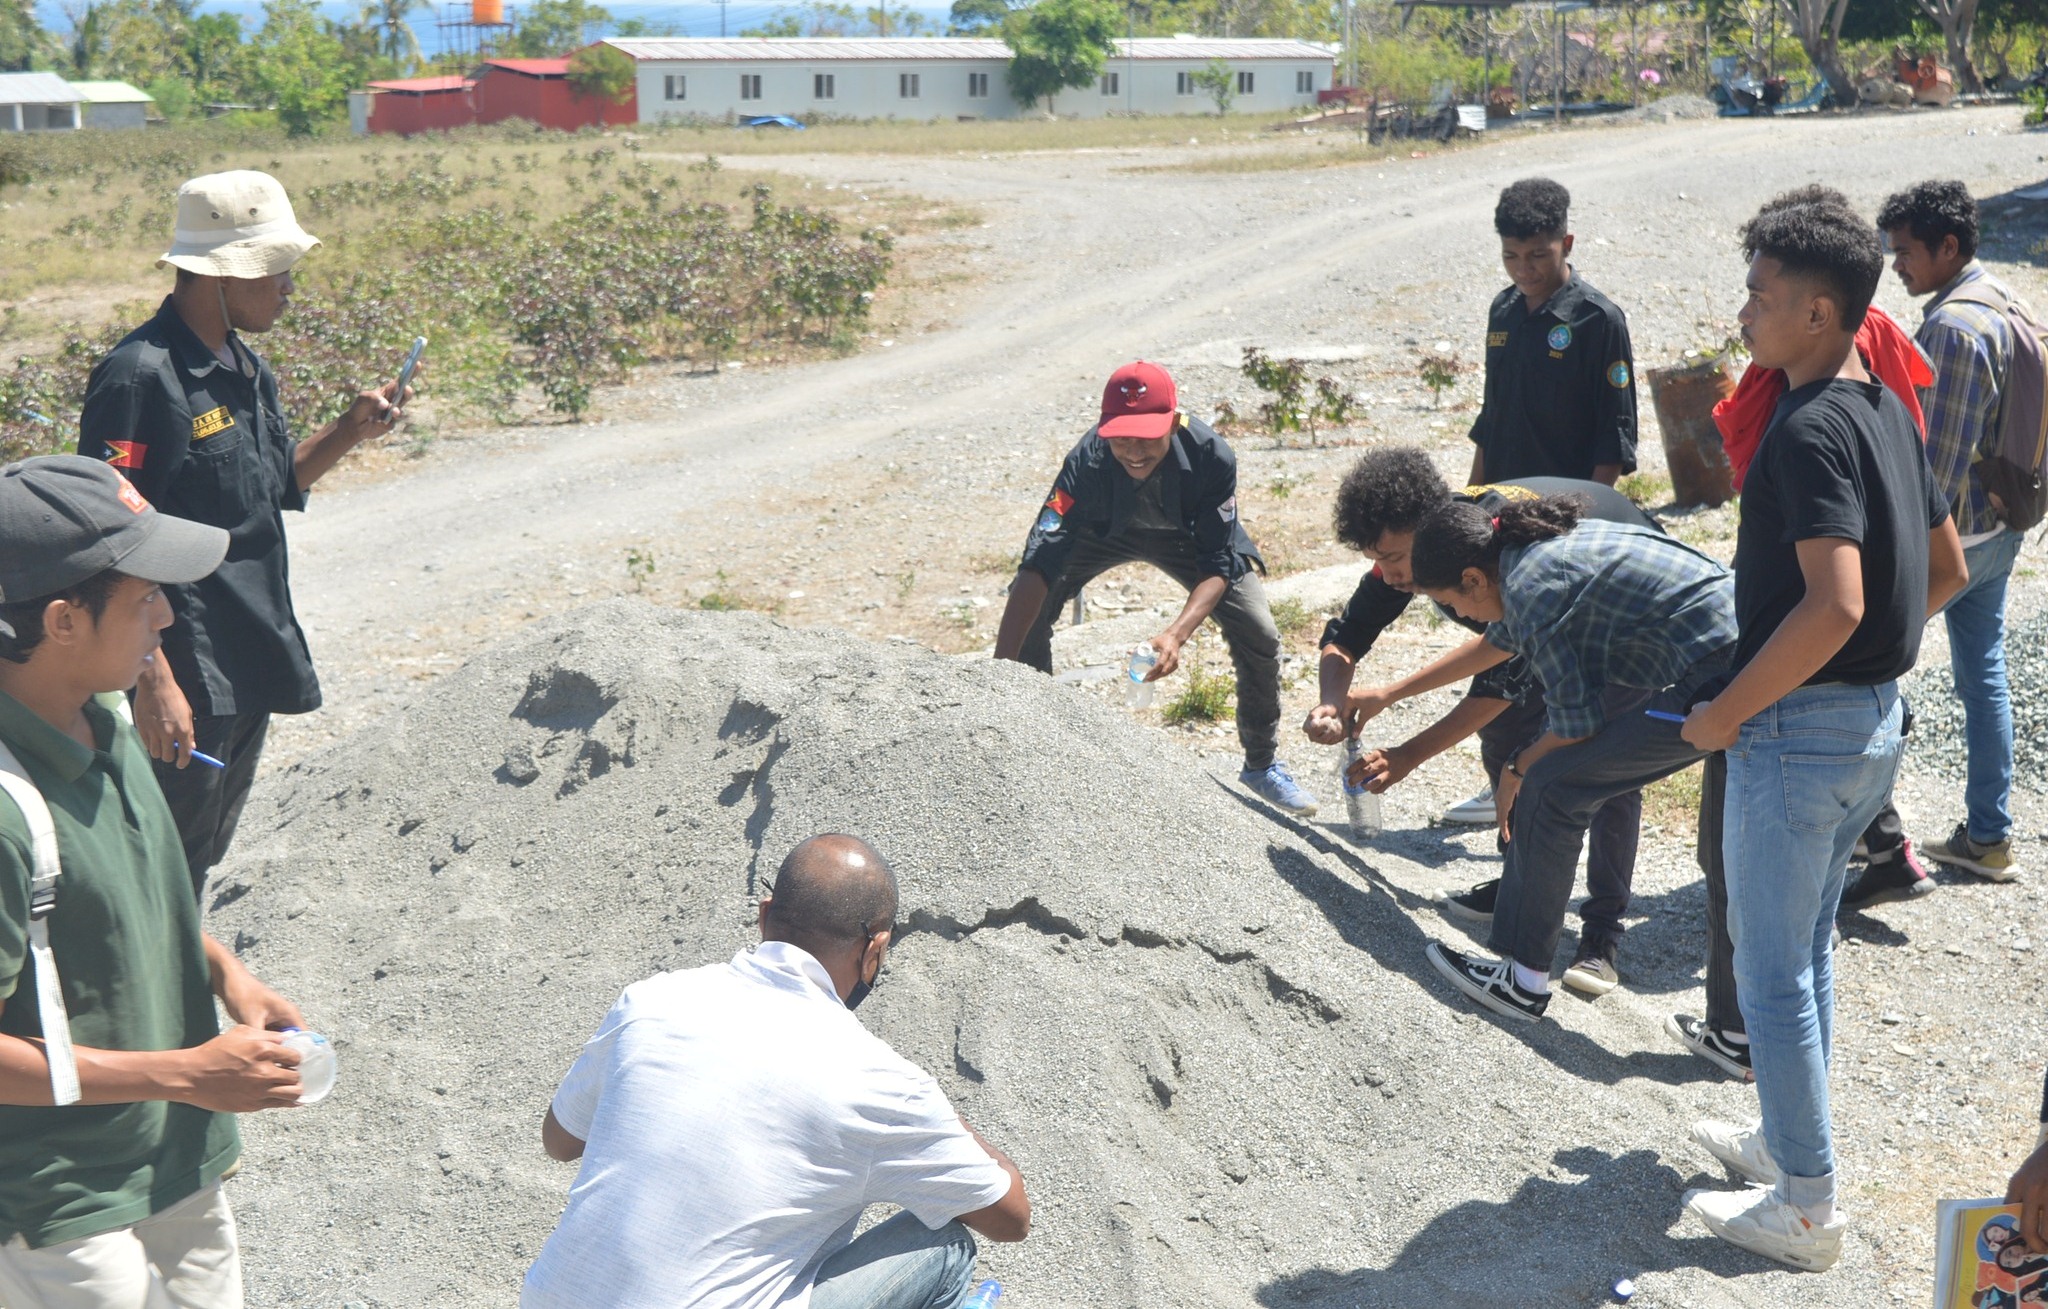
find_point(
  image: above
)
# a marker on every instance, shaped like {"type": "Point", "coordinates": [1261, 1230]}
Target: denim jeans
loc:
{"type": "Point", "coordinates": [1976, 650]}
{"type": "Point", "coordinates": [1804, 778]}
{"type": "Point", "coordinates": [899, 1264]}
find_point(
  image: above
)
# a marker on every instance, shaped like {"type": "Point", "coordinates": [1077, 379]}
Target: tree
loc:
{"type": "Point", "coordinates": [602, 72]}
{"type": "Point", "coordinates": [300, 65]}
{"type": "Point", "coordinates": [1818, 24]}
{"type": "Point", "coordinates": [22, 38]}
{"type": "Point", "coordinates": [1221, 84]}
{"type": "Point", "coordinates": [1056, 44]}
{"type": "Point", "coordinates": [976, 17]}
{"type": "Point", "coordinates": [213, 45]}
{"type": "Point", "coordinates": [549, 29]}
{"type": "Point", "coordinates": [395, 36]}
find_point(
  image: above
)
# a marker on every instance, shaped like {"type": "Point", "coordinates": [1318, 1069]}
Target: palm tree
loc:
{"type": "Point", "coordinates": [395, 35]}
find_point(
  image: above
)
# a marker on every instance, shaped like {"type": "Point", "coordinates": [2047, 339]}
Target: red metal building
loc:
{"type": "Point", "coordinates": [534, 89]}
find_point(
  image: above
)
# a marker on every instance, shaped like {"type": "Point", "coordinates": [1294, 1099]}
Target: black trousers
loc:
{"type": "Point", "coordinates": [1724, 1014]}
{"type": "Point", "coordinates": [206, 802]}
{"type": "Point", "coordinates": [1612, 836]}
{"type": "Point", "coordinates": [1242, 614]}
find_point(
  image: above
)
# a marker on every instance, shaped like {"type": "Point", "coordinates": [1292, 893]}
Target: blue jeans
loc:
{"type": "Point", "coordinates": [1976, 650]}
{"type": "Point", "coordinates": [1804, 778]}
{"type": "Point", "coordinates": [899, 1264]}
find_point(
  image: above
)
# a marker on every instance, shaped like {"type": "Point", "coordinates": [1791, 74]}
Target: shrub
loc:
{"type": "Point", "coordinates": [1206, 698]}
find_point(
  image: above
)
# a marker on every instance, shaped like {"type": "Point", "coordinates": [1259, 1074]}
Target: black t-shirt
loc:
{"type": "Point", "coordinates": [1840, 459]}
{"type": "Point", "coordinates": [1560, 386]}
{"type": "Point", "coordinates": [1374, 605]}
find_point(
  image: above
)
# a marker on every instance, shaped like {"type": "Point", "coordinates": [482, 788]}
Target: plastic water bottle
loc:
{"type": "Point", "coordinates": [1361, 806]}
{"type": "Point", "coordinates": [316, 1063]}
{"type": "Point", "coordinates": [985, 1296]}
{"type": "Point", "coordinates": [1138, 692]}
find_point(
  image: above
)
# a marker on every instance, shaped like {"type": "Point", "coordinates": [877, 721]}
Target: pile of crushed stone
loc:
{"type": "Point", "coordinates": [1208, 1036]}
{"type": "Point", "coordinates": [1671, 108]}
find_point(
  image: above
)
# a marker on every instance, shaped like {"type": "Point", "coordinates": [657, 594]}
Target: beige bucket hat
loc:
{"type": "Point", "coordinates": [237, 224]}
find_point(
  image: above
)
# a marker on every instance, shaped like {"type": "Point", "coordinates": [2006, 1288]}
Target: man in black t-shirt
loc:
{"type": "Point", "coordinates": [1844, 548]}
{"type": "Point", "coordinates": [1560, 375]}
{"type": "Point", "coordinates": [1387, 493]}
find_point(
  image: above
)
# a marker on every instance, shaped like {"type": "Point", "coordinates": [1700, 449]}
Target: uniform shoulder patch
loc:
{"type": "Point", "coordinates": [1495, 340]}
{"type": "Point", "coordinates": [127, 454]}
{"type": "Point", "coordinates": [1560, 336]}
{"type": "Point", "coordinates": [211, 422]}
{"type": "Point", "coordinates": [1504, 490]}
{"type": "Point", "coordinates": [1227, 511]}
{"type": "Point", "coordinates": [1618, 374]}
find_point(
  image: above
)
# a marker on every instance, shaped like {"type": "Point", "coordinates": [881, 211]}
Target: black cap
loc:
{"type": "Point", "coordinates": [64, 518]}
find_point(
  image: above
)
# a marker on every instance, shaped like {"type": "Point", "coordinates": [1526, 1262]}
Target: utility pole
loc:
{"type": "Point", "coordinates": [721, 17]}
{"type": "Point", "coordinates": [1350, 49]}
{"type": "Point", "coordinates": [1130, 56]}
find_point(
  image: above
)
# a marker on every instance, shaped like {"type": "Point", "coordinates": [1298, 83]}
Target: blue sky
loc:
{"type": "Point", "coordinates": [691, 19]}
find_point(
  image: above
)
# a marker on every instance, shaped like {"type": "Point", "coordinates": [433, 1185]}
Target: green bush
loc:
{"type": "Point", "coordinates": [1206, 698]}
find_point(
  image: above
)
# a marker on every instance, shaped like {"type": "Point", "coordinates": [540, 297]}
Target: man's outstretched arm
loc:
{"type": "Point", "coordinates": [1008, 1219]}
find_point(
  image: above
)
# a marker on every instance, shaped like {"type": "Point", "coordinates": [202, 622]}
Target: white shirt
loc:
{"type": "Point", "coordinates": [738, 1120]}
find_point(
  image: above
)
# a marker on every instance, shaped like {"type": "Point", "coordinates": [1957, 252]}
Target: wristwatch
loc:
{"type": "Point", "coordinates": [1510, 765]}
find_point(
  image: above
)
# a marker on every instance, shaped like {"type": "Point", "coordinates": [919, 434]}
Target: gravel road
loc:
{"type": "Point", "coordinates": [886, 494]}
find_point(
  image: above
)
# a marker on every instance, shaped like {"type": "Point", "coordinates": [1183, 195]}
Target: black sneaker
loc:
{"type": "Point", "coordinates": [1473, 906]}
{"type": "Point", "coordinates": [1592, 972]}
{"type": "Point", "coordinates": [1899, 875]}
{"type": "Point", "coordinates": [1489, 981]}
{"type": "Point", "coordinates": [1731, 1057]}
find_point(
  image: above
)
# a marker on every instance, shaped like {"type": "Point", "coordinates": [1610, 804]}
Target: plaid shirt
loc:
{"type": "Point", "coordinates": [1969, 346]}
{"type": "Point", "coordinates": [1609, 605]}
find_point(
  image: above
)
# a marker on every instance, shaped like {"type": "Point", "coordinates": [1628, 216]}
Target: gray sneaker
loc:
{"type": "Point", "coordinates": [1592, 973]}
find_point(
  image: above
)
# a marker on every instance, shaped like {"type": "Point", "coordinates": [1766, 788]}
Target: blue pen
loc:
{"type": "Point", "coordinates": [207, 759]}
{"type": "Point", "coordinates": [1664, 715]}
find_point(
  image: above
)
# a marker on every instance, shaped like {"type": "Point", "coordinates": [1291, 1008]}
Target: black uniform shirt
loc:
{"type": "Point", "coordinates": [1375, 605]}
{"type": "Point", "coordinates": [1196, 488]}
{"type": "Point", "coordinates": [1560, 386]}
{"type": "Point", "coordinates": [208, 442]}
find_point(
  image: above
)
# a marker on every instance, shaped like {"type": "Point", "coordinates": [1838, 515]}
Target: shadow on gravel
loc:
{"type": "Point", "coordinates": [1555, 1241]}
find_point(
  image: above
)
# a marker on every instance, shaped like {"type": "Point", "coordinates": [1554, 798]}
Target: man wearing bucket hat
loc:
{"type": "Point", "coordinates": [190, 413]}
{"type": "Point", "coordinates": [117, 1086]}
{"type": "Point", "coordinates": [1151, 484]}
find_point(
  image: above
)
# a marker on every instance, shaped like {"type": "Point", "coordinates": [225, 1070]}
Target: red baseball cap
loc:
{"type": "Point", "coordinates": [1138, 402]}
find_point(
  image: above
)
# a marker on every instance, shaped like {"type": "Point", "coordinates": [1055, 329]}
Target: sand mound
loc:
{"type": "Point", "coordinates": [1208, 1037]}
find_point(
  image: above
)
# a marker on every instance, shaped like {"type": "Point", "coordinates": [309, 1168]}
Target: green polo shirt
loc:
{"type": "Point", "coordinates": [125, 934]}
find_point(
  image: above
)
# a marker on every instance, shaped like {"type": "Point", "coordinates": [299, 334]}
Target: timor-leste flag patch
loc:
{"type": "Point", "coordinates": [126, 454]}
{"type": "Point", "coordinates": [211, 422]}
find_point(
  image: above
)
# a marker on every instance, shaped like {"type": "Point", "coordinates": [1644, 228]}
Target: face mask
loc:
{"type": "Point", "coordinates": [861, 990]}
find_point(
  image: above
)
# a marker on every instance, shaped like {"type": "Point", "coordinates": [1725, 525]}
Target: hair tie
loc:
{"type": "Point", "coordinates": [1496, 522]}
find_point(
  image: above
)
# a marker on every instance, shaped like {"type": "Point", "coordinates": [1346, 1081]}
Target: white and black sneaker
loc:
{"type": "Point", "coordinates": [1731, 1057]}
{"type": "Point", "coordinates": [1489, 981]}
{"type": "Point", "coordinates": [1474, 906]}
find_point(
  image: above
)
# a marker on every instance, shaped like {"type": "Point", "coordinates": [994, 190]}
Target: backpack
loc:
{"type": "Point", "coordinates": [2013, 465]}
{"type": "Point", "coordinates": [42, 898]}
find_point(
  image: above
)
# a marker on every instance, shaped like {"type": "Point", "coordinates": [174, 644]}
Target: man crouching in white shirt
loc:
{"type": "Point", "coordinates": [734, 1121]}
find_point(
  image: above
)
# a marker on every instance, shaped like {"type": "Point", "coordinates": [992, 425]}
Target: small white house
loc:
{"type": "Point", "coordinates": [114, 104]}
{"type": "Point", "coordinates": [38, 102]}
{"type": "Point", "coordinates": [954, 77]}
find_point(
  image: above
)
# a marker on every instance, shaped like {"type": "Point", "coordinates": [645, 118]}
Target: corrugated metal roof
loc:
{"type": "Point", "coordinates": [421, 85]}
{"type": "Point", "coordinates": [532, 67]}
{"type": "Point", "coordinates": [37, 89]}
{"type": "Point", "coordinates": [112, 93]}
{"type": "Point", "coordinates": [820, 49]}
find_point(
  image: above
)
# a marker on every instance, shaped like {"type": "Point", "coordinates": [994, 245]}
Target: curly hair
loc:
{"type": "Point", "coordinates": [1534, 206]}
{"type": "Point", "coordinates": [1825, 241]}
{"type": "Point", "coordinates": [1931, 211]}
{"type": "Point", "coordinates": [1387, 490]}
{"type": "Point", "coordinates": [1461, 535]}
{"type": "Point", "coordinates": [21, 622]}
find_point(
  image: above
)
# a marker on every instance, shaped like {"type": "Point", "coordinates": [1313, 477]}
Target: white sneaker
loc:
{"type": "Point", "coordinates": [1741, 1148]}
{"type": "Point", "coordinates": [1761, 1222]}
{"type": "Point", "coordinates": [1476, 812]}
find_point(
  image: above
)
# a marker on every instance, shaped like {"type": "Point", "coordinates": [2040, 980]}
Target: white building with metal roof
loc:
{"type": "Point", "coordinates": [954, 77]}
{"type": "Point", "coordinates": [114, 104]}
{"type": "Point", "coordinates": [38, 102]}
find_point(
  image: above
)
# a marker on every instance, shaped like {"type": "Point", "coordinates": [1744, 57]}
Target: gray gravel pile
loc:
{"type": "Point", "coordinates": [1671, 108]}
{"type": "Point", "coordinates": [1208, 1036]}
{"type": "Point", "coordinates": [1938, 745]}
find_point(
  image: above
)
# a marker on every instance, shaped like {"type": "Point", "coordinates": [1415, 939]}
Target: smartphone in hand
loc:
{"type": "Point", "coordinates": [412, 361]}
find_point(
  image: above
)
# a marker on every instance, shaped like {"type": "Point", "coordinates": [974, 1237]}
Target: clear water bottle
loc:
{"type": "Point", "coordinates": [1361, 807]}
{"type": "Point", "coordinates": [316, 1063]}
{"type": "Point", "coordinates": [1138, 692]}
{"type": "Point", "coordinates": [985, 1296]}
